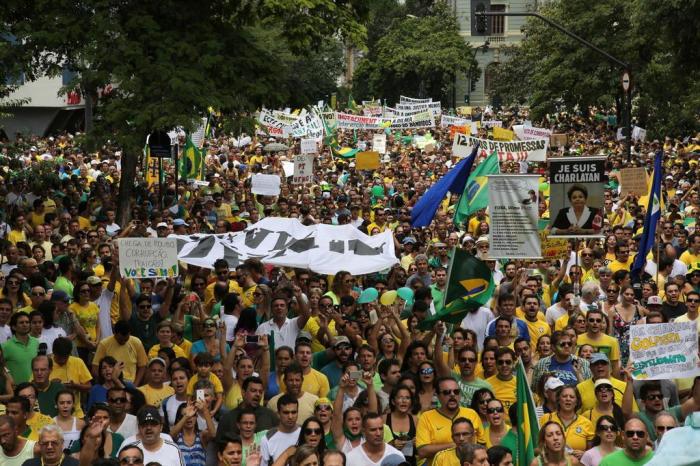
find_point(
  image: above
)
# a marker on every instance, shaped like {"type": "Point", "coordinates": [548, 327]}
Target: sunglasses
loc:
{"type": "Point", "coordinates": [312, 431]}
{"type": "Point", "coordinates": [692, 300]}
{"type": "Point", "coordinates": [427, 371]}
{"type": "Point", "coordinates": [142, 306]}
{"type": "Point", "coordinates": [664, 428]}
{"type": "Point", "coordinates": [505, 362]}
{"type": "Point", "coordinates": [635, 433]}
{"type": "Point", "coordinates": [209, 325]}
{"type": "Point", "coordinates": [595, 321]}
{"type": "Point", "coordinates": [654, 397]}
{"type": "Point", "coordinates": [607, 428]}
{"type": "Point", "coordinates": [494, 410]}
{"type": "Point", "coordinates": [131, 460]}
{"type": "Point", "coordinates": [38, 293]}
{"type": "Point", "coordinates": [565, 344]}
{"type": "Point", "coordinates": [323, 407]}
{"type": "Point", "coordinates": [455, 392]}
{"type": "Point", "coordinates": [471, 360]}
{"type": "Point", "coordinates": [118, 400]}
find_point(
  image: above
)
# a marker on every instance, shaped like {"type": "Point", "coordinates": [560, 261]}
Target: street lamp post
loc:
{"type": "Point", "coordinates": [626, 80]}
{"type": "Point", "coordinates": [474, 67]}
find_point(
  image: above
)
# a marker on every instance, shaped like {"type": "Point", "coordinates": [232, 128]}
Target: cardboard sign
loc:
{"type": "Point", "coordinates": [368, 160]}
{"type": "Point", "coordinates": [379, 143]}
{"type": "Point", "coordinates": [267, 185]}
{"type": "Point", "coordinates": [558, 140]}
{"type": "Point", "coordinates": [501, 134]}
{"type": "Point", "coordinates": [664, 351]}
{"type": "Point", "coordinates": [633, 181]}
{"type": "Point", "coordinates": [148, 257]}
{"type": "Point", "coordinates": [303, 168]}
{"type": "Point", "coordinates": [308, 146]}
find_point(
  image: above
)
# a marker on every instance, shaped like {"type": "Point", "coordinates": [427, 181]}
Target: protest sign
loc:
{"type": "Point", "coordinates": [273, 125]}
{"type": "Point", "coordinates": [435, 107]}
{"type": "Point", "coordinates": [524, 132]}
{"type": "Point", "coordinates": [639, 134]}
{"type": "Point", "coordinates": [492, 123]}
{"type": "Point", "coordinates": [267, 185]}
{"type": "Point", "coordinates": [148, 257]}
{"type": "Point", "coordinates": [373, 110]}
{"type": "Point", "coordinates": [288, 168]}
{"type": "Point", "coordinates": [664, 351]}
{"type": "Point", "coordinates": [419, 120]}
{"type": "Point", "coordinates": [303, 168]}
{"type": "Point", "coordinates": [553, 248]}
{"type": "Point", "coordinates": [501, 134]}
{"type": "Point", "coordinates": [308, 146]}
{"type": "Point", "coordinates": [513, 206]}
{"type": "Point", "coordinates": [466, 111]}
{"type": "Point", "coordinates": [633, 181]}
{"type": "Point", "coordinates": [576, 196]}
{"type": "Point", "coordinates": [379, 143]}
{"type": "Point", "coordinates": [286, 242]}
{"type": "Point", "coordinates": [446, 120]}
{"type": "Point", "coordinates": [558, 140]}
{"type": "Point", "coordinates": [368, 160]}
{"type": "Point", "coordinates": [350, 121]}
{"type": "Point", "coordinates": [532, 151]}
{"type": "Point", "coordinates": [410, 100]}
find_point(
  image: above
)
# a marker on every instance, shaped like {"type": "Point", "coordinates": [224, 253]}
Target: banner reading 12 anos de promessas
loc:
{"type": "Point", "coordinates": [576, 196]}
{"type": "Point", "coordinates": [664, 351]}
{"type": "Point", "coordinates": [532, 151]}
{"type": "Point", "coordinates": [513, 207]}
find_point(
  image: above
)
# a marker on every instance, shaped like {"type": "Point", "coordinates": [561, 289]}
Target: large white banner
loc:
{"type": "Point", "coordinates": [531, 151]}
{"type": "Point", "coordinates": [410, 100]}
{"type": "Point", "coordinates": [664, 351]}
{"type": "Point", "coordinates": [419, 120]}
{"type": "Point", "coordinates": [282, 124]}
{"type": "Point", "coordinates": [513, 208]}
{"type": "Point", "coordinates": [526, 133]}
{"type": "Point", "coordinates": [147, 257]}
{"type": "Point", "coordinates": [286, 242]}
{"type": "Point", "coordinates": [350, 121]}
{"type": "Point", "coordinates": [446, 120]}
{"type": "Point", "coordinates": [434, 106]}
{"type": "Point", "coordinates": [392, 112]}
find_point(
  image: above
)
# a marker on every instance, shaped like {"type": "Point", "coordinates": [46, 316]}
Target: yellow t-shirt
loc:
{"type": "Point", "coordinates": [87, 316]}
{"type": "Point", "coordinates": [603, 344]}
{"type": "Point", "coordinates": [179, 352]}
{"type": "Point", "coordinates": [312, 326]}
{"type": "Point", "coordinates": [579, 432]}
{"type": "Point", "coordinates": [74, 371]}
{"type": "Point", "coordinates": [16, 236]}
{"type": "Point", "coordinates": [234, 396]}
{"type": "Point", "coordinates": [446, 458]}
{"type": "Point", "coordinates": [504, 391]}
{"type": "Point", "coordinates": [536, 330]}
{"type": "Point", "coordinates": [38, 421]}
{"type": "Point", "coordinates": [617, 265]}
{"type": "Point", "coordinates": [587, 391]}
{"type": "Point", "coordinates": [593, 415]}
{"type": "Point", "coordinates": [155, 396]}
{"type": "Point", "coordinates": [132, 354]}
{"type": "Point", "coordinates": [209, 293]}
{"type": "Point", "coordinates": [36, 219]}
{"type": "Point", "coordinates": [218, 388]}
{"type": "Point", "coordinates": [434, 427]}
{"type": "Point", "coordinates": [690, 259]}
{"type": "Point", "coordinates": [315, 383]}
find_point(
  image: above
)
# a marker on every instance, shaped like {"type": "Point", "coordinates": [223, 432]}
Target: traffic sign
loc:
{"type": "Point", "coordinates": [626, 81]}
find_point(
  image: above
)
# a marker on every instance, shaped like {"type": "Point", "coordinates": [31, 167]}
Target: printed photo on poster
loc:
{"type": "Point", "coordinates": [576, 196]}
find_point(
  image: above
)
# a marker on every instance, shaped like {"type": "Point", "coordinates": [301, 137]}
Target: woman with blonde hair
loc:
{"type": "Point", "coordinates": [552, 447]}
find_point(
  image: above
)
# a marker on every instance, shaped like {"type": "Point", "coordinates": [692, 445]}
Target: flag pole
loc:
{"type": "Point", "coordinates": [449, 274]}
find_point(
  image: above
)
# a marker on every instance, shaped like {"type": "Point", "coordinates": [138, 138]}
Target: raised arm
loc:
{"type": "Point", "coordinates": [303, 308]}
{"type": "Point", "coordinates": [442, 368]}
{"type": "Point", "coordinates": [264, 359]}
{"type": "Point", "coordinates": [337, 417]}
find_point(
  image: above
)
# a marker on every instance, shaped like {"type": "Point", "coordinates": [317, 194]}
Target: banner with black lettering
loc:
{"type": "Point", "coordinates": [576, 196]}
{"type": "Point", "coordinates": [286, 242]}
{"type": "Point", "coordinates": [513, 208]}
{"type": "Point", "coordinates": [531, 151]}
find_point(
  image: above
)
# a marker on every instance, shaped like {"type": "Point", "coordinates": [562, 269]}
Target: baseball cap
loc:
{"type": "Point", "coordinates": [600, 382]}
{"type": "Point", "coordinates": [304, 335]}
{"type": "Point", "coordinates": [409, 240]}
{"type": "Point", "coordinates": [93, 280]}
{"type": "Point", "coordinates": [654, 301]}
{"type": "Point", "coordinates": [179, 222]}
{"type": "Point", "coordinates": [162, 225]}
{"type": "Point", "coordinates": [59, 295]}
{"type": "Point", "coordinates": [599, 357]}
{"type": "Point", "coordinates": [160, 360]}
{"type": "Point", "coordinates": [482, 239]}
{"type": "Point", "coordinates": [341, 340]}
{"type": "Point", "coordinates": [149, 414]}
{"type": "Point", "coordinates": [553, 383]}
{"type": "Point", "coordinates": [322, 402]}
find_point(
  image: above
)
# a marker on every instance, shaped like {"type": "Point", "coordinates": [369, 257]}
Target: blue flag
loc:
{"type": "Point", "coordinates": [454, 182]}
{"type": "Point", "coordinates": [651, 219]}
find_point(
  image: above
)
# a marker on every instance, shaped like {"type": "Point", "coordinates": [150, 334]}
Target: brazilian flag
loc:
{"type": "Point", "coordinates": [476, 194]}
{"type": "Point", "coordinates": [528, 428]}
{"type": "Point", "coordinates": [469, 286]}
{"type": "Point", "coordinates": [332, 141]}
{"type": "Point", "coordinates": [191, 162]}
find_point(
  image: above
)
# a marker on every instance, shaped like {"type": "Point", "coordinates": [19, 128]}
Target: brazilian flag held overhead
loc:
{"type": "Point", "coordinates": [191, 162]}
{"type": "Point", "coordinates": [469, 286]}
{"type": "Point", "coordinates": [476, 194]}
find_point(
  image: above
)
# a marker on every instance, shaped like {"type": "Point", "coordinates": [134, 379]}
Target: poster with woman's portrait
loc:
{"type": "Point", "coordinates": [576, 196]}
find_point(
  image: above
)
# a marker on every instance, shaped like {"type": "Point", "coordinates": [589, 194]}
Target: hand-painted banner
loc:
{"type": "Point", "coordinates": [664, 351]}
{"type": "Point", "coordinates": [576, 196]}
{"type": "Point", "coordinates": [286, 242]}
{"type": "Point", "coordinates": [446, 120]}
{"type": "Point", "coordinates": [349, 121]}
{"type": "Point", "coordinates": [492, 123]}
{"type": "Point", "coordinates": [307, 125]}
{"type": "Point", "coordinates": [393, 112]}
{"type": "Point", "coordinates": [303, 169]}
{"type": "Point", "coordinates": [280, 124]}
{"type": "Point", "coordinates": [513, 209]}
{"type": "Point", "coordinates": [420, 120]}
{"type": "Point", "coordinates": [410, 100]}
{"type": "Point", "coordinates": [373, 110]}
{"type": "Point", "coordinates": [273, 125]}
{"type": "Point", "coordinates": [434, 106]}
{"type": "Point", "coordinates": [526, 133]}
{"type": "Point", "coordinates": [531, 151]}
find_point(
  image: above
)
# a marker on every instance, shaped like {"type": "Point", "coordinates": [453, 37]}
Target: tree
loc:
{"type": "Point", "coordinates": [549, 69]}
{"type": "Point", "coordinates": [416, 56]}
{"type": "Point", "coordinates": [169, 61]}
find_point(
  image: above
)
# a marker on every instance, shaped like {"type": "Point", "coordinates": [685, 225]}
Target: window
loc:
{"type": "Point", "coordinates": [68, 75]}
{"type": "Point", "coordinates": [16, 79]}
{"type": "Point", "coordinates": [498, 23]}
{"type": "Point", "coordinates": [489, 73]}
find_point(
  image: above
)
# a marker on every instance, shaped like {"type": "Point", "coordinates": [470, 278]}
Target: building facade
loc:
{"type": "Point", "coordinates": [487, 38]}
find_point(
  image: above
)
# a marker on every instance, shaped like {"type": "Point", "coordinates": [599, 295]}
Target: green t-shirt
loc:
{"type": "Point", "coordinates": [674, 411]}
{"type": "Point", "coordinates": [510, 441]}
{"type": "Point", "coordinates": [619, 458]}
{"type": "Point", "coordinates": [47, 399]}
{"type": "Point", "coordinates": [469, 388]}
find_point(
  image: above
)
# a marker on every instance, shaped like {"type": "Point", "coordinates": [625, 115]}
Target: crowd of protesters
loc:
{"type": "Point", "coordinates": [96, 368]}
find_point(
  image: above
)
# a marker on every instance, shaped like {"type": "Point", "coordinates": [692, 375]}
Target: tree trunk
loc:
{"type": "Point", "coordinates": [126, 184]}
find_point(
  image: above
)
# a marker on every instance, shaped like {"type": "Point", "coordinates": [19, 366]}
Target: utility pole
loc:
{"type": "Point", "coordinates": [626, 79]}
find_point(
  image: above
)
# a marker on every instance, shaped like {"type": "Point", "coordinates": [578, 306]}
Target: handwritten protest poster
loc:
{"type": "Point", "coordinates": [308, 146]}
{"type": "Point", "coordinates": [664, 351]}
{"type": "Point", "coordinates": [367, 160]}
{"type": "Point", "coordinates": [303, 168]}
{"type": "Point", "coordinates": [379, 143]}
{"type": "Point", "coordinates": [148, 257]}
{"type": "Point", "coordinates": [633, 181]}
{"type": "Point", "coordinates": [267, 185]}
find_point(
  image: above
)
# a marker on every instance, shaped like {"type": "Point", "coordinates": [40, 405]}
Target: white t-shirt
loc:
{"type": "Point", "coordinates": [285, 335]}
{"type": "Point", "coordinates": [5, 333]}
{"type": "Point", "coordinates": [168, 453]}
{"type": "Point", "coordinates": [129, 428]}
{"type": "Point", "coordinates": [132, 439]}
{"type": "Point", "coordinates": [274, 443]}
{"type": "Point", "coordinates": [104, 303]}
{"type": "Point", "coordinates": [479, 322]}
{"type": "Point", "coordinates": [358, 456]}
{"type": "Point", "coordinates": [553, 313]}
{"type": "Point", "coordinates": [48, 335]}
{"type": "Point", "coordinates": [230, 321]}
